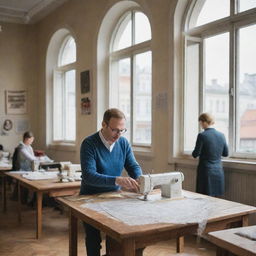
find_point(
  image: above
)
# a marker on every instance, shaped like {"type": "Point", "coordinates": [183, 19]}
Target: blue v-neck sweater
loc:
{"type": "Point", "coordinates": [100, 167]}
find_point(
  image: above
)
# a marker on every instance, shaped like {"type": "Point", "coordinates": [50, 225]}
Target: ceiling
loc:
{"type": "Point", "coordinates": [26, 11]}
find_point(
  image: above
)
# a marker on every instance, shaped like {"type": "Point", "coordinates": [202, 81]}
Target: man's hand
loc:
{"type": "Point", "coordinates": [128, 183]}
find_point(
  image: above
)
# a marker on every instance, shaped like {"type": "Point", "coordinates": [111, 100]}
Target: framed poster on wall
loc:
{"type": "Point", "coordinates": [16, 102]}
{"type": "Point", "coordinates": [85, 81]}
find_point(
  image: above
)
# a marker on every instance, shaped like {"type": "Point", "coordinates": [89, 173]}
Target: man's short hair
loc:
{"type": "Point", "coordinates": [206, 117]}
{"type": "Point", "coordinates": [113, 113]}
{"type": "Point", "coordinates": [27, 135]}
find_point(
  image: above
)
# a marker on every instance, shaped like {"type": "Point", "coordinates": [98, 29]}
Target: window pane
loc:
{"type": "Point", "coordinates": [142, 98]}
{"type": "Point", "coordinates": [191, 96]}
{"type": "Point", "coordinates": [246, 5]}
{"type": "Point", "coordinates": [57, 107]}
{"type": "Point", "coordinates": [70, 105]}
{"type": "Point", "coordinates": [246, 105]}
{"type": "Point", "coordinates": [123, 37]}
{"type": "Point", "coordinates": [211, 10]}
{"type": "Point", "coordinates": [68, 54]}
{"type": "Point", "coordinates": [121, 90]}
{"type": "Point", "coordinates": [216, 100]}
{"type": "Point", "coordinates": [142, 28]}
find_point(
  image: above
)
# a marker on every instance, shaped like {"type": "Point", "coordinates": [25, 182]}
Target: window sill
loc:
{"type": "Point", "coordinates": [143, 152]}
{"type": "Point", "coordinates": [71, 147]}
{"type": "Point", "coordinates": [232, 163]}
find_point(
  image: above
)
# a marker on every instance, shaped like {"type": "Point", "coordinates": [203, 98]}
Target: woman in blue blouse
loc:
{"type": "Point", "coordinates": [210, 147]}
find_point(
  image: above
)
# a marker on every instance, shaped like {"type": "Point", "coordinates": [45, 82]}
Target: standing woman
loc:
{"type": "Point", "coordinates": [210, 147]}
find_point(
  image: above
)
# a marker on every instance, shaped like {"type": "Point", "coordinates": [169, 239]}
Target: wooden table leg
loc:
{"type": "Point", "coordinates": [72, 234]}
{"type": "Point", "coordinates": [221, 252]}
{"type": "Point", "coordinates": [180, 244]}
{"type": "Point", "coordinates": [4, 192]}
{"type": "Point", "coordinates": [111, 246]}
{"type": "Point", "coordinates": [139, 252]}
{"type": "Point", "coordinates": [19, 201]}
{"type": "Point", "coordinates": [39, 199]}
{"type": "Point", "coordinates": [245, 221]}
{"type": "Point", "coordinates": [128, 248]}
{"type": "Point", "coordinates": [218, 251]}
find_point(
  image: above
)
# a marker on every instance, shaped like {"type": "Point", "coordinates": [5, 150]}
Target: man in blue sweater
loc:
{"type": "Point", "coordinates": [104, 155]}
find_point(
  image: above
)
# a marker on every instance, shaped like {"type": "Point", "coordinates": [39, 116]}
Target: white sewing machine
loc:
{"type": "Point", "coordinates": [170, 184]}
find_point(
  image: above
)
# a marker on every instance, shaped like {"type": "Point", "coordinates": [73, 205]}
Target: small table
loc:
{"type": "Point", "coordinates": [52, 187]}
{"type": "Point", "coordinates": [129, 240]}
{"type": "Point", "coordinates": [4, 169]}
{"type": "Point", "coordinates": [229, 241]}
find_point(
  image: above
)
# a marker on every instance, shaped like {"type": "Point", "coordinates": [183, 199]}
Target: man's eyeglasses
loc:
{"type": "Point", "coordinates": [117, 131]}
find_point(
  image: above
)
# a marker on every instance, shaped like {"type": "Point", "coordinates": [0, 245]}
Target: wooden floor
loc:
{"type": "Point", "coordinates": [19, 239]}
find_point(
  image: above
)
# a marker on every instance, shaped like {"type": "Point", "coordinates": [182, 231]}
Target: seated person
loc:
{"type": "Point", "coordinates": [1, 150]}
{"type": "Point", "coordinates": [23, 156]}
{"type": "Point", "coordinates": [104, 155]}
{"type": "Point", "coordinates": [23, 159]}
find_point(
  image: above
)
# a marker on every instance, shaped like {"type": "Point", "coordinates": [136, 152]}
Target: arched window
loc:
{"type": "Point", "coordinates": [219, 68]}
{"type": "Point", "coordinates": [64, 93]}
{"type": "Point", "coordinates": [131, 75]}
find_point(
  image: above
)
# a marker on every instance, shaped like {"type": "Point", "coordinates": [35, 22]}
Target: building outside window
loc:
{"type": "Point", "coordinates": [131, 75]}
{"type": "Point", "coordinates": [220, 71]}
{"type": "Point", "coordinates": [64, 93]}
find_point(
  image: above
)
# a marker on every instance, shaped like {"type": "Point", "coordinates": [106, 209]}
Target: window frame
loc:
{"type": "Point", "coordinates": [230, 24]}
{"type": "Point", "coordinates": [130, 52]}
{"type": "Point", "coordinates": [62, 70]}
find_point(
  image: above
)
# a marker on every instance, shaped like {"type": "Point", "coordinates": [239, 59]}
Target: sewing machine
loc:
{"type": "Point", "coordinates": [170, 184]}
{"type": "Point", "coordinates": [51, 165]}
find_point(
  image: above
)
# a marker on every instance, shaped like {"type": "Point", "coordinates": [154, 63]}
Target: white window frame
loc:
{"type": "Point", "coordinates": [130, 52]}
{"type": "Point", "coordinates": [61, 70]}
{"type": "Point", "coordinates": [229, 24]}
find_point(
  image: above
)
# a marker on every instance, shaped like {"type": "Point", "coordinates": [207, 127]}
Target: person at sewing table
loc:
{"type": "Point", "coordinates": [210, 147]}
{"type": "Point", "coordinates": [103, 157]}
{"type": "Point", "coordinates": [24, 155]}
{"type": "Point", "coordinates": [22, 159]}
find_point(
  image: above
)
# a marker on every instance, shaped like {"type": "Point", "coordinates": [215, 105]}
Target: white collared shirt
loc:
{"type": "Point", "coordinates": [104, 141]}
{"type": "Point", "coordinates": [27, 152]}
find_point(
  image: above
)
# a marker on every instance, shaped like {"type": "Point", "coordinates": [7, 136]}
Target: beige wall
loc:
{"type": "Point", "coordinates": [23, 68]}
{"type": "Point", "coordinates": [83, 19]}
{"type": "Point", "coordinates": [18, 71]}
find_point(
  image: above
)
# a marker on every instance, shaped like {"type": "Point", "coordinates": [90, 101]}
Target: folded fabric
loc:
{"type": "Point", "coordinates": [250, 234]}
{"type": "Point", "coordinates": [40, 175]}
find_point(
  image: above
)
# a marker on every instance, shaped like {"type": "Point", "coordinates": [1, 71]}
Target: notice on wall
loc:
{"type": "Point", "coordinates": [85, 81]}
{"type": "Point", "coordinates": [16, 102]}
{"type": "Point", "coordinates": [162, 101]}
{"type": "Point", "coordinates": [85, 106]}
{"type": "Point", "coordinates": [22, 125]}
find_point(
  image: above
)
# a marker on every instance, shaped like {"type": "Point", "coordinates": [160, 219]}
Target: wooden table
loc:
{"type": "Point", "coordinates": [127, 240]}
{"type": "Point", "coordinates": [4, 169]}
{"type": "Point", "coordinates": [228, 241]}
{"type": "Point", "coordinates": [52, 187]}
